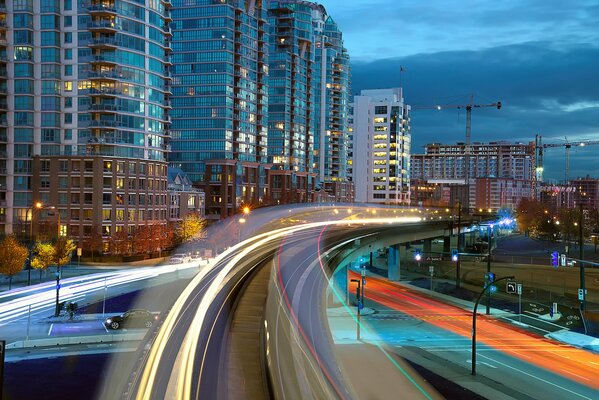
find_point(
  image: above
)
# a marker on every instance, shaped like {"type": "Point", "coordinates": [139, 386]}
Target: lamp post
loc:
{"type": "Point", "coordinates": [38, 205]}
{"type": "Point", "coordinates": [581, 257]}
{"type": "Point", "coordinates": [489, 235]}
{"type": "Point", "coordinates": [457, 264]}
{"type": "Point", "coordinates": [359, 305]}
{"type": "Point", "coordinates": [485, 289]}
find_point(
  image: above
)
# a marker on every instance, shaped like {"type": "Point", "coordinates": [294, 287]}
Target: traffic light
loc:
{"type": "Point", "coordinates": [554, 259]}
{"type": "Point", "coordinates": [454, 255]}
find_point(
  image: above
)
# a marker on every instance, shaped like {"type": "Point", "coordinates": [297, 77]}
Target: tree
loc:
{"type": "Point", "coordinates": [13, 255]}
{"type": "Point", "coordinates": [94, 242]}
{"type": "Point", "coordinates": [43, 256]}
{"type": "Point", "coordinates": [192, 227]}
{"type": "Point", "coordinates": [63, 249]}
{"type": "Point", "coordinates": [119, 243]}
{"type": "Point", "coordinates": [141, 240]}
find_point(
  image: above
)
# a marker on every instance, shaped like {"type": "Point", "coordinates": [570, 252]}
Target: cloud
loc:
{"type": "Point", "coordinates": [545, 88]}
{"type": "Point", "coordinates": [375, 28]}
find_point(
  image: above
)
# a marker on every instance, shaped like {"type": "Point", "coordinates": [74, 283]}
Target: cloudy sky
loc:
{"type": "Point", "coordinates": [540, 58]}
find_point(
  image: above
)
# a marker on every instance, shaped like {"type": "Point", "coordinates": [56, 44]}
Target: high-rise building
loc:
{"type": "Point", "coordinates": [331, 100]}
{"type": "Point", "coordinates": [308, 104]}
{"type": "Point", "coordinates": [220, 100]}
{"type": "Point", "coordinates": [84, 124]}
{"type": "Point", "coordinates": [493, 159]}
{"type": "Point", "coordinates": [491, 166]}
{"type": "Point", "coordinates": [291, 101]}
{"type": "Point", "coordinates": [381, 147]}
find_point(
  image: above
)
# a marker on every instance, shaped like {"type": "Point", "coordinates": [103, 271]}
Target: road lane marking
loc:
{"type": "Point", "coordinates": [536, 377]}
{"type": "Point", "coordinates": [572, 373]}
{"type": "Point", "coordinates": [50, 330]}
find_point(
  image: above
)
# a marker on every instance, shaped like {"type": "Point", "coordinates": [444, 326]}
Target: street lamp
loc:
{"type": "Point", "coordinates": [360, 300]}
{"type": "Point", "coordinates": [37, 206]}
{"type": "Point", "coordinates": [488, 285]}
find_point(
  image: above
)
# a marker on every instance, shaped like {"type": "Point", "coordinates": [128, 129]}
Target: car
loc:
{"type": "Point", "coordinates": [131, 319]}
{"type": "Point", "coordinates": [184, 258]}
{"type": "Point", "coordinates": [176, 260]}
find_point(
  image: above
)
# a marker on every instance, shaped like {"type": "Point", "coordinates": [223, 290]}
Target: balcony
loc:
{"type": "Point", "coordinates": [105, 123]}
{"type": "Point", "coordinates": [111, 108]}
{"type": "Point", "coordinates": [168, 60]}
{"type": "Point", "coordinates": [3, 24]}
{"type": "Point", "coordinates": [167, 30]}
{"type": "Point", "coordinates": [102, 10]}
{"type": "Point", "coordinates": [167, 16]}
{"type": "Point", "coordinates": [3, 58]}
{"type": "Point", "coordinates": [108, 42]}
{"type": "Point", "coordinates": [105, 92]}
{"type": "Point", "coordinates": [3, 121]}
{"type": "Point", "coordinates": [168, 104]}
{"type": "Point", "coordinates": [104, 76]}
{"type": "Point", "coordinates": [104, 59]}
{"type": "Point", "coordinates": [3, 42]}
{"type": "Point", "coordinates": [104, 26]}
{"type": "Point", "coordinates": [3, 105]}
{"type": "Point", "coordinates": [167, 3]}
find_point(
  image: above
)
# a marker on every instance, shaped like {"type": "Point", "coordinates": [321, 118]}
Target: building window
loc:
{"type": "Point", "coordinates": [68, 86]}
{"type": "Point", "coordinates": [380, 109]}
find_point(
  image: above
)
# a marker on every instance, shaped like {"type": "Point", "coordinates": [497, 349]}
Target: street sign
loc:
{"type": "Point", "coordinates": [581, 294]}
{"type": "Point", "coordinates": [79, 250]}
{"type": "Point", "coordinates": [519, 288]}
{"type": "Point", "coordinates": [563, 260]}
{"type": "Point", "coordinates": [510, 287]}
{"type": "Point", "coordinates": [431, 269]}
{"type": "Point", "coordinates": [363, 272]}
{"type": "Point", "coordinates": [555, 308]}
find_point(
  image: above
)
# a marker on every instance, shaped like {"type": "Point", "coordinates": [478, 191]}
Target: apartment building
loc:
{"type": "Point", "coordinates": [85, 123]}
{"type": "Point", "coordinates": [220, 100]}
{"type": "Point", "coordinates": [381, 147]}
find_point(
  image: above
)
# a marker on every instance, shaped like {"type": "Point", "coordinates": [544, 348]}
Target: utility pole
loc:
{"type": "Point", "coordinates": [489, 233]}
{"type": "Point", "coordinates": [581, 256]}
{"type": "Point", "coordinates": [457, 265]}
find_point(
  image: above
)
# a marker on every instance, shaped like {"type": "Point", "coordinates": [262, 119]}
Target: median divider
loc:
{"type": "Point", "coordinates": [75, 340]}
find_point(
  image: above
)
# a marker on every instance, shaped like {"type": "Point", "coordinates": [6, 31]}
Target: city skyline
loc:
{"type": "Point", "coordinates": [539, 60]}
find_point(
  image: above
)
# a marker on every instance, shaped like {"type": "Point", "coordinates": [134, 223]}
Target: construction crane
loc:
{"type": "Point", "coordinates": [540, 146]}
{"type": "Point", "coordinates": [468, 107]}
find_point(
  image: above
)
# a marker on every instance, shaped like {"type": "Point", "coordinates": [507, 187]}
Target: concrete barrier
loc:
{"type": "Point", "coordinates": [74, 340]}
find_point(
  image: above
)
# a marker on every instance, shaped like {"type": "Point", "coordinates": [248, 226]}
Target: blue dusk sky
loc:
{"type": "Point", "coordinates": [540, 58]}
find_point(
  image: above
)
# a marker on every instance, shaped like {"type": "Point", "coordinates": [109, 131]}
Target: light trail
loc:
{"type": "Point", "coordinates": [581, 365]}
{"type": "Point", "coordinates": [43, 296]}
{"type": "Point", "coordinates": [183, 373]}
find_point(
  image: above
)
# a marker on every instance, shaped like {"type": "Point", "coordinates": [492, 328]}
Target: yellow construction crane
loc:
{"type": "Point", "coordinates": [539, 150]}
{"type": "Point", "coordinates": [468, 107]}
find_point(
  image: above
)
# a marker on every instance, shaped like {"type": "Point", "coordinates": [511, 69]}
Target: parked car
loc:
{"type": "Point", "coordinates": [180, 258]}
{"type": "Point", "coordinates": [131, 319]}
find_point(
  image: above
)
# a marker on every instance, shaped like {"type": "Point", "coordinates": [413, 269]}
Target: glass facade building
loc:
{"type": "Point", "coordinates": [331, 102]}
{"type": "Point", "coordinates": [85, 82]}
{"type": "Point", "coordinates": [291, 101]}
{"type": "Point", "coordinates": [220, 100]}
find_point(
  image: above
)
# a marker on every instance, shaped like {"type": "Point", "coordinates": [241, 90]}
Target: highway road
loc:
{"type": "Point", "coordinates": [511, 361]}
{"type": "Point", "coordinates": [185, 357]}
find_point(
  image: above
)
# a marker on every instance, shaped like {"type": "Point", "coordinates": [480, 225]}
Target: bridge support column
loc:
{"type": "Point", "coordinates": [393, 265]}
{"type": "Point", "coordinates": [446, 246]}
{"type": "Point", "coordinates": [427, 247]}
